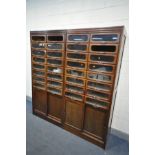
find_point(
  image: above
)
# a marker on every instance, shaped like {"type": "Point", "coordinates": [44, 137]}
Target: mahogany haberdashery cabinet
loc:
{"type": "Point", "coordinates": [75, 75]}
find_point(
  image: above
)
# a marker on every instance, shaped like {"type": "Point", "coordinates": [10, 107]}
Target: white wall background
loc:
{"type": "Point", "coordinates": [65, 14]}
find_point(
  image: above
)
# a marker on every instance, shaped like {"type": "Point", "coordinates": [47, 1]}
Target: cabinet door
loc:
{"type": "Point", "coordinates": [39, 101]}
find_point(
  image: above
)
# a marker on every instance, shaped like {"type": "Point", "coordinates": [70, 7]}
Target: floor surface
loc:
{"type": "Point", "coordinates": [44, 138]}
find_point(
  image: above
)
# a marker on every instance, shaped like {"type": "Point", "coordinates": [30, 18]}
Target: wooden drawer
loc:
{"type": "Point", "coordinates": [38, 38]}
{"type": "Point", "coordinates": [36, 72]}
{"type": "Point", "coordinates": [39, 53]}
{"type": "Point", "coordinates": [75, 81]}
{"type": "Point", "coordinates": [55, 38]}
{"type": "Point", "coordinates": [75, 47]}
{"type": "Point", "coordinates": [38, 60]}
{"type": "Point", "coordinates": [55, 46]}
{"type": "Point", "coordinates": [77, 37]}
{"type": "Point", "coordinates": [55, 54]}
{"type": "Point", "coordinates": [55, 91]}
{"type": "Point", "coordinates": [55, 61]}
{"type": "Point", "coordinates": [105, 37]}
{"type": "Point", "coordinates": [103, 48]}
{"type": "Point", "coordinates": [54, 84]}
{"type": "Point", "coordinates": [104, 68]}
{"type": "Point", "coordinates": [38, 45]}
{"type": "Point", "coordinates": [75, 72]}
{"type": "Point", "coordinates": [55, 77]}
{"type": "Point", "coordinates": [102, 58]}
{"type": "Point", "coordinates": [38, 66]}
{"type": "Point", "coordinates": [39, 85]}
{"type": "Point", "coordinates": [76, 56]}
{"type": "Point", "coordinates": [76, 65]}
{"type": "Point", "coordinates": [54, 69]}
{"type": "Point", "coordinates": [74, 96]}
{"type": "Point", "coordinates": [39, 79]}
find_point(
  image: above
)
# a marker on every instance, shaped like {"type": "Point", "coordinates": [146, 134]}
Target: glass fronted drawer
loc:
{"type": "Point", "coordinates": [54, 54]}
{"type": "Point", "coordinates": [39, 85]}
{"type": "Point", "coordinates": [98, 94]}
{"type": "Point", "coordinates": [99, 86]}
{"type": "Point", "coordinates": [39, 79]}
{"type": "Point", "coordinates": [77, 47]}
{"type": "Point", "coordinates": [101, 68]}
{"type": "Point", "coordinates": [111, 48]}
{"type": "Point", "coordinates": [111, 38]}
{"type": "Point", "coordinates": [57, 62]}
{"type": "Point", "coordinates": [39, 52]}
{"type": "Point", "coordinates": [76, 56]}
{"type": "Point", "coordinates": [74, 89]}
{"type": "Point", "coordinates": [75, 81]}
{"type": "Point", "coordinates": [102, 58]}
{"type": "Point", "coordinates": [54, 84]}
{"type": "Point", "coordinates": [54, 91]}
{"type": "Point", "coordinates": [53, 69]}
{"type": "Point", "coordinates": [38, 60]}
{"type": "Point", "coordinates": [55, 76]}
{"type": "Point", "coordinates": [38, 45]}
{"type": "Point", "coordinates": [97, 103]}
{"type": "Point", "coordinates": [37, 66]}
{"type": "Point", "coordinates": [55, 46]}
{"type": "Point", "coordinates": [77, 73]}
{"type": "Point", "coordinates": [74, 96]}
{"type": "Point", "coordinates": [38, 38]}
{"type": "Point", "coordinates": [100, 77]}
{"type": "Point", "coordinates": [55, 38]}
{"type": "Point", "coordinates": [77, 38]}
{"type": "Point", "coordinates": [75, 64]}
{"type": "Point", "coordinates": [38, 73]}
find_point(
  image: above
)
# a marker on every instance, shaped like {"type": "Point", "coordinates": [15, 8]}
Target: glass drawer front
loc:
{"type": "Point", "coordinates": [75, 64]}
{"type": "Point", "coordinates": [100, 77]}
{"type": "Point", "coordinates": [38, 53]}
{"type": "Point", "coordinates": [55, 38]}
{"type": "Point", "coordinates": [38, 85]}
{"type": "Point", "coordinates": [97, 94]}
{"type": "Point", "coordinates": [54, 84]}
{"type": "Point", "coordinates": [98, 86]}
{"type": "Point", "coordinates": [54, 76]}
{"type": "Point", "coordinates": [77, 56]}
{"type": "Point", "coordinates": [95, 102]}
{"type": "Point", "coordinates": [38, 60]}
{"type": "Point", "coordinates": [54, 62]}
{"type": "Point", "coordinates": [55, 46]}
{"type": "Point", "coordinates": [105, 37]}
{"type": "Point", "coordinates": [54, 69]}
{"type": "Point", "coordinates": [38, 38]}
{"type": "Point", "coordinates": [39, 73]}
{"type": "Point", "coordinates": [75, 72]}
{"type": "Point", "coordinates": [74, 89]}
{"type": "Point", "coordinates": [74, 96]}
{"type": "Point", "coordinates": [76, 47]}
{"type": "Point", "coordinates": [102, 58]}
{"type": "Point", "coordinates": [38, 66]}
{"type": "Point", "coordinates": [39, 79]}
{"type": "Point", "coordinates": [103, 48]}
{"type": "Point", "coordinates": [75, 81]}
{"type": "Point", "coordinates": [102, 68]}
{"type": "Point", "coordinates": [54, 91]}
{"type": "Point", "coordinates": [78, 38]}
{"type": "Point", "coordinates": [54, 54]}
{"type": "Point", "coordinates": [38, 45]}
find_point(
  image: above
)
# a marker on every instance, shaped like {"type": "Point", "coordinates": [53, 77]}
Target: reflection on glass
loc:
{"type": "Point", "coordinates": [54, 46]}
{"type": "Point", "coordinates": [74, 89]}
{"type": "Point", "coordinates": [105, 37]}
{"type": "Point", "coordinates": [54, 69]}
{"type": "Point", "coordinates": [38, 73]}
{"type": "Point", "coordinates": [97, 94]}
{"type": "Point", "coordinates": [38, 38]}
{"type": "Point", "coordinates": [54, 54]}
{"type": "Point", "coordinates": [38, 45]}
{"type": "Point", "coordinates": [38, 53]}
{"type": "Point", "coordinates": [103, 48]}
{"type": "Point", "coordinates": [39, 60]}
{"type": "Point", "coordinates": [101, 58]}
{"type": "Point", "coordinates": [74, 80]}
{"type": "Point", "coordinates": [77, 47]}
{"type": "Point", "coordinates": [76, 56]}
{"type": "Point", "coordinates": [38, 66]}
{"type": "Point", "coordinates": [96, 102]}
{"type": "Point", "coordinates": [100, 77]}
{"type": "Point", "coordinates": [75, 72]}
{"type": "Point", "coordinates": [54, 76]}
{"type": "Point", "coordinates": [75, 64]}
{"type": "Point", "coordinates": [96, 67]}
{"type": "Point", "coordinates": [54, 61]}
{"type": "Point", "coordinates": [54, 91]}
{"type": "Point", "coordinates": [73, 96]}
{"type": "Point", "coordinates": [39, 79]}
{"type": "Point", "coordinates": [54, 84]}
{"type": "Point", "coordinates": [78, 38]}
{"type": "Point", "coordinates": [98, 86]}
{"type": "Point", "coordinates": [55, 38]}
{"type": "Point", "coordinates": [38, 85]}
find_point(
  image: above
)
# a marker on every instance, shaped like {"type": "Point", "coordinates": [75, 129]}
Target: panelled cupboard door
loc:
{"type": "Point", "coordinates": [39, 101]}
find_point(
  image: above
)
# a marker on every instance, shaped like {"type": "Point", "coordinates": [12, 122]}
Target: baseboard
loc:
{"type": "Point", "coordinates": [120, 134]}
{"type": "Point", "coordinates": [113, 131]}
